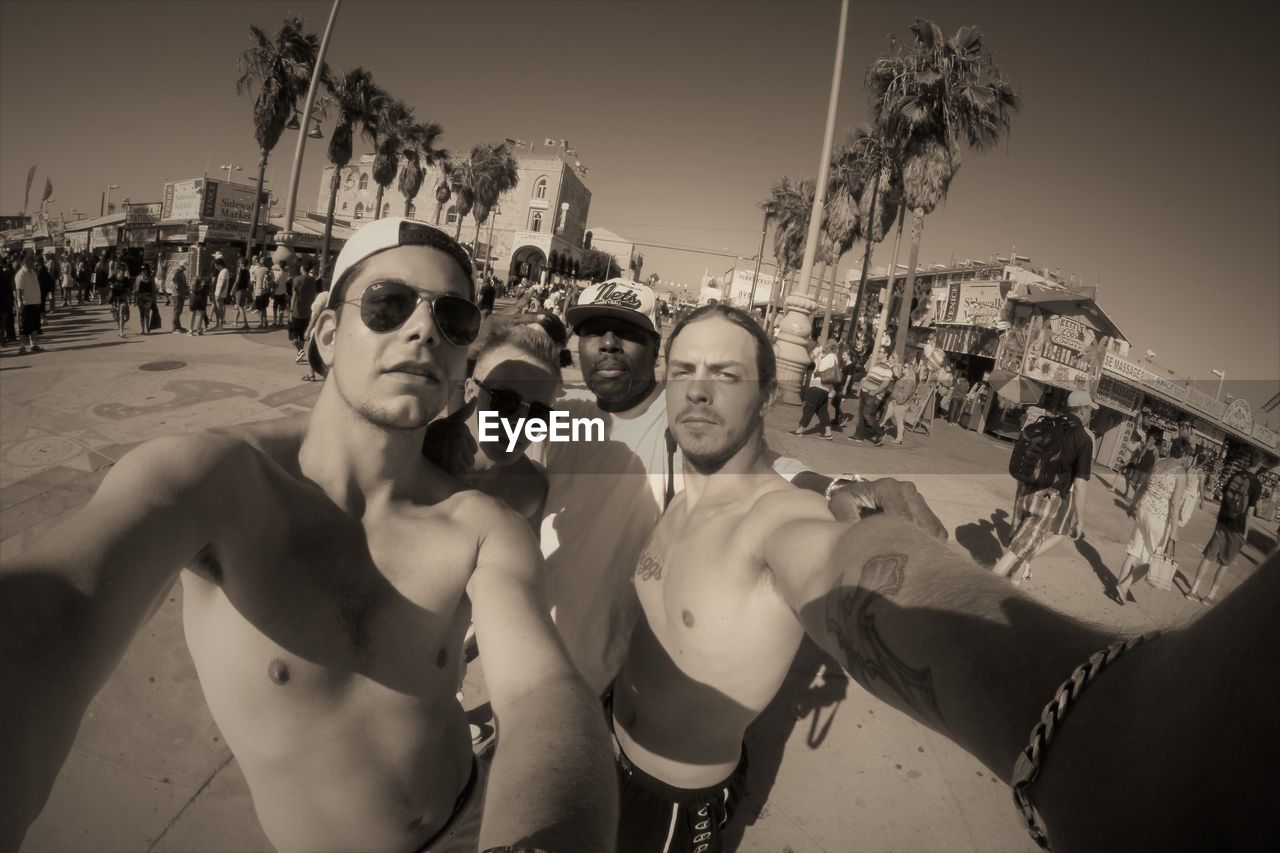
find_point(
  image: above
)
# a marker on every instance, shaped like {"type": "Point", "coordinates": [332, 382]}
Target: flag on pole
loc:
{"type": "Point", "coordinates": [26, 199]}
{"type": "Point", "coordinates": [48, 191]}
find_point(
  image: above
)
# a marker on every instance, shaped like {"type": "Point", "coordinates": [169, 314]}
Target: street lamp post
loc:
{"type": "Point", "coordinates": [231, 167]}
{"type": "Point", "coordinates": [1222, 375]}
{"type": "Point", "coordinates": [286, 237]}
{"type": "Point", "coordinates": [106, 199]}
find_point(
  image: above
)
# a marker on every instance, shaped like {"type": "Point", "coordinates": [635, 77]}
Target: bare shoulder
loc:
{"type": "Point", "coordinates": [484, 514]}
{"type": "Point", "coordinates": [783, 503]}
{"type": "Point", "coordinates": [178, 464]}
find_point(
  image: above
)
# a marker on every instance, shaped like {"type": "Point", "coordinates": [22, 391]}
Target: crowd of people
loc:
{"type": "Point", "coordinates": [637, 600]}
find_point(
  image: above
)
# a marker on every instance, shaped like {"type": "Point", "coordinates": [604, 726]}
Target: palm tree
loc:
{"type": "Point", "coordinates": [358, 99]}
{"type": "Point", "coordinates": [278, 68]}
{"type": "Point", "coordinates": [462, 187]}
{"type": "Point", "coordinates": [394, 121]}
{"type": "Point", "coordinates": [443, 190]}
{"type": "Point", "coordinates": [930, 99]}
{"type": "Point", "coordinates": [494, 171]}
{"type": "Point", "coordinates": [419, 149]}
{"type": "Point", "coordinates": [787, 207]}
{"type": "Point", "coordinates": [863, 167]}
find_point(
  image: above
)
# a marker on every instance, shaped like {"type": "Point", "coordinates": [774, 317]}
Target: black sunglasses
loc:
{"type": "Point", "coordinates": [510, 405]}
{"type": "Point", "coordinates": [387, 305]}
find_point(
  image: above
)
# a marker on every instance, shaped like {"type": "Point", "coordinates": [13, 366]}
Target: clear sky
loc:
{"type": "Point", "coordinates": [1145, 155]}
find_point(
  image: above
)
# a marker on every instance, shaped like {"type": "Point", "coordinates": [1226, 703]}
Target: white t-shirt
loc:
{"type": "Point", "coordinates": [603, 501]}
{"type": "Point", "coordinates": [224, 283]}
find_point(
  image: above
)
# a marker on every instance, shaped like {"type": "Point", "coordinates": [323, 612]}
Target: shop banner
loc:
{"type": "Point", "coordinates": [1168, 387]}
{"type": "Point", "coordinates": [1264, 436]}
{"type": "Point", "coordinates": [1123, 367]}
{"type": "Point", "coordinates": [968, 340]}
{"type": "Point", "coordinates": [225, 202]}
{"type": "Point", "coordinates": [1063, 352]}
{"type": "Point", "coordinates": [78, 240]}
{"type": "Point", "coordinates": [1203, 402]}
{"type": "Point", "coordinates": [1116, 395]}
{"type": "Point", "coordinates": [142, 214]}
{"type": "Point", "coordinates": [140, 236]}
{"type": "Point", "coordinates": [182, 200]}
{"type": "Point", "coordinates": [970, 303]}
{"type": "Point", "coordinates": [223, 231]}
{"type": "Point", "coordinates": [1013, 348]}
{"type": "Point", "coordinates": [103, 236]}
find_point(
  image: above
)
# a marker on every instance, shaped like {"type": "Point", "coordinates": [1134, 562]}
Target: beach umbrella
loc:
{"type": "Point", "coordinates": [1016, 388]}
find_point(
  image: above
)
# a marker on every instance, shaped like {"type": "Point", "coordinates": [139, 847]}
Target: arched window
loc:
{"type": "Point", "coordinates": [451, 217]}
{"type": "Point", "coordinates": [386, 209]}
{"type": "Point", "coordinates": [540, 188]}
{"type": "Point", "coordinates": [413, 211]}
{"type": "Point", "coordinates": [359, 210]}
{"type": "Point", "coordinates": [364, 180]}
{"type": "Point", "coordinates": [535, 221]}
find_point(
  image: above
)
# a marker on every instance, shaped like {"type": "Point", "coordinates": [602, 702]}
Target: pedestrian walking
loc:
{"type": "Point", "coordinates": [242, 294]}
{"type": "Point", "coordinates": [102, 280]}
{"type": "Point", "coordinates": [896, 407]}
{"type": "Point", "coordinates": [181, 293]}
{"type": "Point", "coordinates": [30, 304]}
{"type": "Point", "coordinates": [263, 284]}
{"type": "Point", "coordinates": [826, 376]}
{"type": "Point", "coordinates": [121, 292]}
{"type": "Point", "coordinates": [1052, 462]}
{"type": "Point", "coordinates": [8, 303]}
{"type": "Point", "coordinates": [67, 281]}
{"type": "Point", "coordinates": [221, 290]}
{"type": "Point", "coordinates": [302, 294]}
{"type": "Point", "coordinates": [47, 285]}
{"type": "Point", "coordinates": [280, 294]}
{"type": "Point", "coordinates": [1239, 496]}
{"type": "Point", "coordinates": [1146, 459]}
{"type": "Point", "coordinates": [144, 290]}
{"type": "Point", "coordinates": [1155, 512]}
{"type": "Point", "coordinates": [959, 396]}
{"type": "Point", "coordinates": [84, 280]}
{"type": "Point", "coordinates": [199, 302]}
{"type": "Point", "coordinates": [873, 391]}
{"type": "Point", "coordinates": [487, 296]}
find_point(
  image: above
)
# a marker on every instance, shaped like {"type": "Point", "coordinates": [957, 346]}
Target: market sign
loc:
{"type": "Point", "coordinates": [1116, 395]}
{"type": "Point", "coordinates": [970, 303]}
{"type": "Point", "coordinates": [225, 202]}
{"type": "Point", "coordinates": [1238, 416]}
{"type": "Point", "coordinates": [182, 199]}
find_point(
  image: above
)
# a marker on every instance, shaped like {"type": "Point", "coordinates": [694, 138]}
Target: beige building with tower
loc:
{"type": "Point", "coordinates": [537, 227]}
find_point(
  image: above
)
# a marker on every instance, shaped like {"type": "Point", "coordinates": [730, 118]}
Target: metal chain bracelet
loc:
{"type": "Point", "coordinates": [1031, 759]}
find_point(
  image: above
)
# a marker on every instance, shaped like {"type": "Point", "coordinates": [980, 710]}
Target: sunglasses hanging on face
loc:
{"type": "Point", "coordinates": [387, 305]}
{"type": "Point", "coordinates": [511, 406]}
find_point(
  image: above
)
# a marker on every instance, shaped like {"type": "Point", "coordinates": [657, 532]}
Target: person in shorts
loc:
{"type": "Point", "coordinates": [242, 294]}
{"type": "Point", "coordinates": [302, 294]}
{"type": "Point", "coordinates": [280, 292]}
{"type": "Point", "coordinates": [1239, 495]}
{"type": "Point", "coordinates": [27, 289]}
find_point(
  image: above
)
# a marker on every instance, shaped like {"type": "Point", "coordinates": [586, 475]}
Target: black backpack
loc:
{"type": "Point", "coordinates": [1040, 454]}
{"type": "Point", "coordinates": [1235, 495]}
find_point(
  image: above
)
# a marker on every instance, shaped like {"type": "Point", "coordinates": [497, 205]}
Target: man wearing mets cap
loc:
{"type": "Point", "coordinates": [327, 646]}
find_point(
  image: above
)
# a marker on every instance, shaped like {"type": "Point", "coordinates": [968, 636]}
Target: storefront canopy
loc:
{"type": "Point", "coordinates": [1077, 303]}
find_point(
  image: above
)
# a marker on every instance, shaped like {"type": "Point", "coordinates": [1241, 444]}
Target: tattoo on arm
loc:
{"type": "Point", "coordinates": [867, 656]}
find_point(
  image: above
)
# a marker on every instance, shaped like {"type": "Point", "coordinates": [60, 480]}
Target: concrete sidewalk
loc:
{"type": "Point", "coordinates": [831, 769]}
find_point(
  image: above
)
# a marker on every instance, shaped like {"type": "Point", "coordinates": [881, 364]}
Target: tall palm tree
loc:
{"type": "Point", "coordinates": [395, 120]}
{"type": "Point", "coordinates": [444, 192]}
{"type": "Point", "coordinates": [863, 166]}
{"type": "Point", "coordinates": [357, 99]}
{"type": "Point", "coordinates": [931, 98]}
{"type": "Point", "coordinates": [420, 150]}
{"type": "Point", "coordinates": [462, 187]}
{"type": "Point", "coordinates": [278, 69]}
{"type": "Point", "coordinates": [787, 209]}
{"type": "Point", "coordinates": [494, 171]}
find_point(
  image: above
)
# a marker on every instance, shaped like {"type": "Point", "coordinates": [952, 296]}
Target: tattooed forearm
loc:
{"type": "Point", "coordinates": [866, 655]}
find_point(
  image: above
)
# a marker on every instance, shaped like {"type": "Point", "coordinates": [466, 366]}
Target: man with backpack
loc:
{"type": "Point", "coordinates": [1239, 495]}
{"type": "Point", "coordinates": [1052, 461]}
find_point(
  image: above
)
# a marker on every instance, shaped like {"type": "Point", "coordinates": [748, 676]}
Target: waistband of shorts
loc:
{"type": "Point", "coordinates": [674, 793]}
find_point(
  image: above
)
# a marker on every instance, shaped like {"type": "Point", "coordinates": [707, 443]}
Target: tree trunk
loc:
{"type": "Point", "coordinates": [868, 233]}
{"type": "Point", "coordinates": [253, 222]}
{"type": "Point", "coordinates": [439, 208]}
{"type": "Point", "coordinates": [408, 202]}
{"type": "Point", "coordinates": [488, 249]}
{"type": "Point", "coordinates": [831, 304]}
{"type": "Point", "coordinates": [457, 231]}
{"type": "Point", "coordinates": [377, 204]}
{"type": "Point", "coordinates": [904, 309]}
{"type": "Point", "coordinates": [475, 242]}
{"type": "Point", "coordinates": [328, 222]}
{"type": "Point", "coordinates": [882, 323]}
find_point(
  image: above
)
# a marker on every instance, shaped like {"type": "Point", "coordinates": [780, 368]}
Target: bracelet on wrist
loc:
{"type": "Point", "coordinates": [1031, 759]}
{"type": "Point", "coordinates": [840, 479]}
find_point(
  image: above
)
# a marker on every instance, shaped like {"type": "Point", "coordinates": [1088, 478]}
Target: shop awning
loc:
{"type": "Point", "coordinates": [1077, 303]}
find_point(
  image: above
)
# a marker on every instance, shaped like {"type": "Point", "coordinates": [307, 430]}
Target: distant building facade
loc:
{"type": "Point", "coordinates": [538, 226]}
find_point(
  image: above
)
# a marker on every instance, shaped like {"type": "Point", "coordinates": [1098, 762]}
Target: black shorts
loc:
{"type": "Point", "coordinates": [260, 303]}
{"type": "Point", "coordinates": [298, 327]}
{"type": "Point", "coordinates": [30, 319]}
{"type": "Point", "coordinates": [280, 300]}
{"type": "Point", "coordinates": [655, 817]}
{"type": "Point", "coordinates": [1224, 545]}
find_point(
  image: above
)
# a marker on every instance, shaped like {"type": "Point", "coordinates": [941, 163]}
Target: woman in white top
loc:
{"type": "Point", "coordinates": [1157, 508]}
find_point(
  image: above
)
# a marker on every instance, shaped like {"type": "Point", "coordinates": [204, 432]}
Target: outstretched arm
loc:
{"type": "Point", "coordinates": [553, 784]}
{"type": "Point", "coordinates": [70, 606]}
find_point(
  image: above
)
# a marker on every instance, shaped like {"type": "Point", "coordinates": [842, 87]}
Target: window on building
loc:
{"type": "Point", "coordinates": [359, 210]}
{"type": "Point", "coordinates": [413, 211]}
{"type": "Point", "coordinates": [451, 217]}
{"type": "Point", "coordinates": [540, 188]}
{"type": "Point", "coordinates": [386, 209]}
{"type": "Point", "coordinates": [364, 180]}
{"type": "Point", "coordinates": [535, 221]}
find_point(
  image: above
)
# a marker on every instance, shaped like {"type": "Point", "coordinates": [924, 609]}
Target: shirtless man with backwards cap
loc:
{"type": "Point", "coordinates": [328, 655]}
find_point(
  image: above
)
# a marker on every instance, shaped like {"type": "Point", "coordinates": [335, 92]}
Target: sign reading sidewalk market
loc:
{"type": "Point", "coordinates": [204, 200]}
{"type": "Point", "coordinates": [970, 303]}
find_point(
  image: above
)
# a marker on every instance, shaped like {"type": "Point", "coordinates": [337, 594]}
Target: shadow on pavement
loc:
{"type": "Point", "coordinates": [983, 538]}
{"type": "Point", "coordinates": [1105, 576]}
{"type": "Point", "coordinates": [814, 682]}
